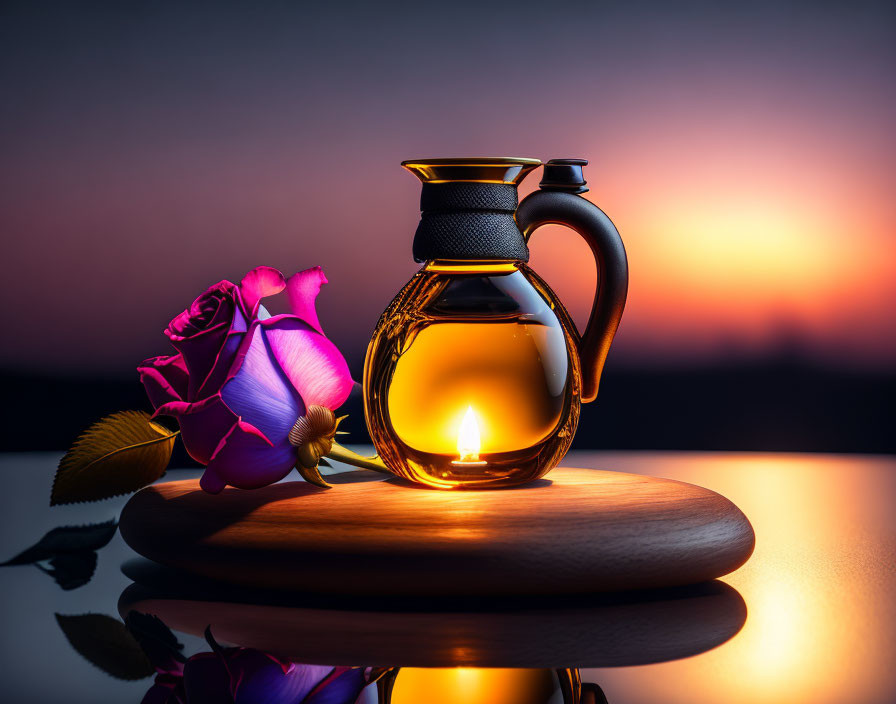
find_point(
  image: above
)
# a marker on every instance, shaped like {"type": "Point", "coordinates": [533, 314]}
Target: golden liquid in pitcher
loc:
{"type": "Point", "coordinates": [470, 379]}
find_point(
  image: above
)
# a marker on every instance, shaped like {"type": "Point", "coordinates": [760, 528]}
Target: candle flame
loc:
{"type": "Point", "coordinates": [468, 442]}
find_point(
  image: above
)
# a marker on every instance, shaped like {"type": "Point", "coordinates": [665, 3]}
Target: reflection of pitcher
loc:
{"type": "Point", "coordinates": [476, 373]}
{"type": "Point", "coordinates": [487, 686]}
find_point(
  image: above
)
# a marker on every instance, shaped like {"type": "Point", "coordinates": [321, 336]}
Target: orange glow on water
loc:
{"type": "Point", "coordinates": [817, 588]}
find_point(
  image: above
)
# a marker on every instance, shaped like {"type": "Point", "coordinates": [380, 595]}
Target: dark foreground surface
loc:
{"type": "Point", "coordinates": [809, 618]}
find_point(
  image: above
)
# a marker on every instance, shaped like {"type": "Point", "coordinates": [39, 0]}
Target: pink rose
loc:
{"type": "Point", "coordinates": [248, 676]}
{"type": "Point", "coordinates": [242, 379]}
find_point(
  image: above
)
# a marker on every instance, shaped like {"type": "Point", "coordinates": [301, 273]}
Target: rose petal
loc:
{"type": "Point", "coordinates": [221, 366]}
{"type": "Point", "coordinates": [258, 391]}
{"type": "Point", "coordinates": [248, 676]}
{"type": "Point", "coordinates": [342, 686]}
{"type": "Point", "coordinates": [164, 378]}
{"type": "Point", "coordinates": [202, 310]}
{"type": "Point", "coordinates": [302, 289]}
{"type": "Point", "coordinates": [224, 312]}
{"type": "Point", "coordinates": [223, 358]}
{"type": "Point", "coordinates": [207, 680]}
{"type": "Point", "coordinates": [200, 334]}
{"type": "Point", "coordinates": [368, 695]}
{"type": "Point", "coordinates": [263, 681]}
{"type": "Point", "coordinates": [313, 364]}
{"type": "Point", "coordinates": [211, 483]}
{"type": "Point", "coordinates": [202, 432]}
{"type": "Point", "coordinates": [166, 689]}
{"type": "Point", "coordinates": [247, 460]}
{"type": "Point", "coordinates": [202, 424]}
{"type": "Point", "coordinates": [181, 324]}
{"type": "Point", "coordinates": [259, 283]}
{"type": "Point", "coordinates": [200, 352]}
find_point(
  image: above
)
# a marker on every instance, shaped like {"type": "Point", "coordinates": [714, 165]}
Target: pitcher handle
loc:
{"type": "Point", "coordinates": [558, 203]}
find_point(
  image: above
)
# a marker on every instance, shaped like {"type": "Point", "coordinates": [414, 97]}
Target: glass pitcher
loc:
{"type": "Point", "coordinates": [475, 374]}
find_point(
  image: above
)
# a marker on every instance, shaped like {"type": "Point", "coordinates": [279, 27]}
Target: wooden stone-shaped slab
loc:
{"type": "Point", "coordinates": [578, 531]}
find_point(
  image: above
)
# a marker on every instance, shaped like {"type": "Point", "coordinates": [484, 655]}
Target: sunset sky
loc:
{"type": "Point", "coordinates": [745, 152]}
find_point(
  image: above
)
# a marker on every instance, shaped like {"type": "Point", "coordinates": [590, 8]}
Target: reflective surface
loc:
{"type": "Point", "coordinates": [819, 593]}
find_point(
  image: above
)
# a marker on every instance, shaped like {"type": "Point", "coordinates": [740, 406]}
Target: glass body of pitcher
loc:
{"type": "Point", "coordinates": [474, 375]}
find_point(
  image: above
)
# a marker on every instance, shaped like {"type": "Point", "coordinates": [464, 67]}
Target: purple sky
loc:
{"type": "Point", "coordinates": [745, 153]}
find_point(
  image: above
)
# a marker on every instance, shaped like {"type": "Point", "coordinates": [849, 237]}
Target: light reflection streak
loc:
{"type": "Point", "coordinates": [819, 588]}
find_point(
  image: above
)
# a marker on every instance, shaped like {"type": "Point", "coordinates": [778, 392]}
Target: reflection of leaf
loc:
{"type": "Point", "coordinates": [72, 570]}
{"type": "Point", "coordinates": [156, 640]}
{"type": "Point", "coordinates": [66, 539]}
{"type": "Point", "coordinates": [117, 455]}
{"type": "Point", "coordinates": [70, 552]}
{"type": "Point", "coordinates": [105, 642]}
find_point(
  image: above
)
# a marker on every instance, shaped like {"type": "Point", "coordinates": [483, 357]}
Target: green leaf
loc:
{"type": "Point", "coordinates": [117, 455]}
{"type": "Point", "coordinates": [106, 642]}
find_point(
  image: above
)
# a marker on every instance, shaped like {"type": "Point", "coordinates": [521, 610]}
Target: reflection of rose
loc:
{"type": "Point", "coordinates": [242, 379]}
{"type": "Point", "coordinates": [246, 676]}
